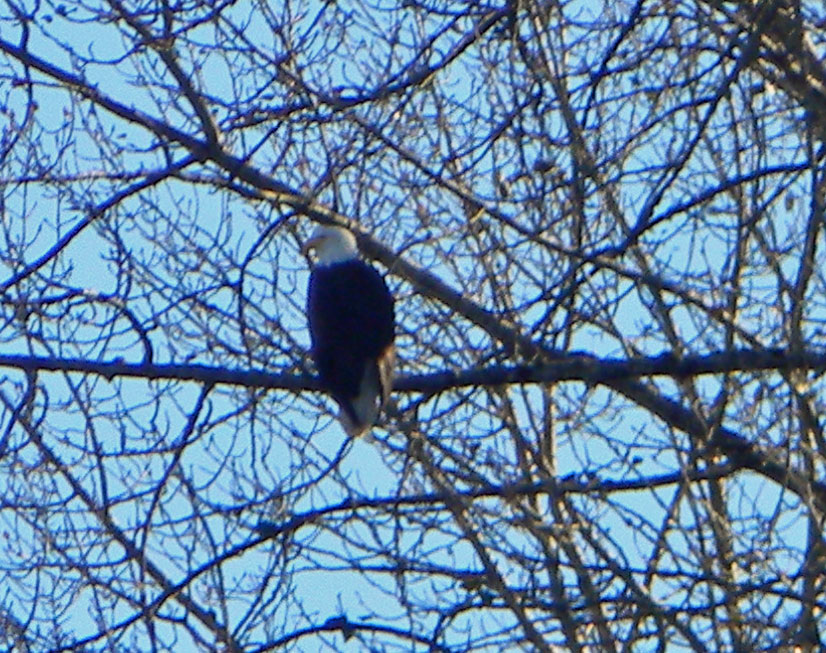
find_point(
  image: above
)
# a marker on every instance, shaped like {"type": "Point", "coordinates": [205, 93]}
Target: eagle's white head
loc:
{"type": "Point", "coordinates": [332, 245]}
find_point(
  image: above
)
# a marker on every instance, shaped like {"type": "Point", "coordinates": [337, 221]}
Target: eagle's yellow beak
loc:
{"type": "Point", "coordinates": [310, 244]}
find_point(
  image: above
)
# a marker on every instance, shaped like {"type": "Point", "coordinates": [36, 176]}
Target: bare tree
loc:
{"type": "Point", "coordinates": [603, 225]}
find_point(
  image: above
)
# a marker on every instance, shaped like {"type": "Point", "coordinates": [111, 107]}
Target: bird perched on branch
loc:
{"type": "Point", "coordinates": [352, 328]}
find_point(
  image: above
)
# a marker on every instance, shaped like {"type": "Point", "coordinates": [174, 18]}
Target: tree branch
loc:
{"type": "Point", "coordinates": [573, 367]}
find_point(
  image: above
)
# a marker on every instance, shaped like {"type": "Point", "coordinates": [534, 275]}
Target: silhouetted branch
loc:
{"type": "Point", "coordinates": [569, 367]}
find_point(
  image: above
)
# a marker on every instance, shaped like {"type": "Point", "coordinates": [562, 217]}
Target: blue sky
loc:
{"type": "Point", "coordinates": [191, 239]}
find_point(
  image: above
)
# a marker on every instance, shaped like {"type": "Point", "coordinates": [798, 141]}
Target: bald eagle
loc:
{"type": "Point", "coordinates": [352, 327]}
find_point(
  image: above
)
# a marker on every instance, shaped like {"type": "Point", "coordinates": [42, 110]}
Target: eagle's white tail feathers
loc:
{"type": "Point", "coordinates": [365, 406]}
